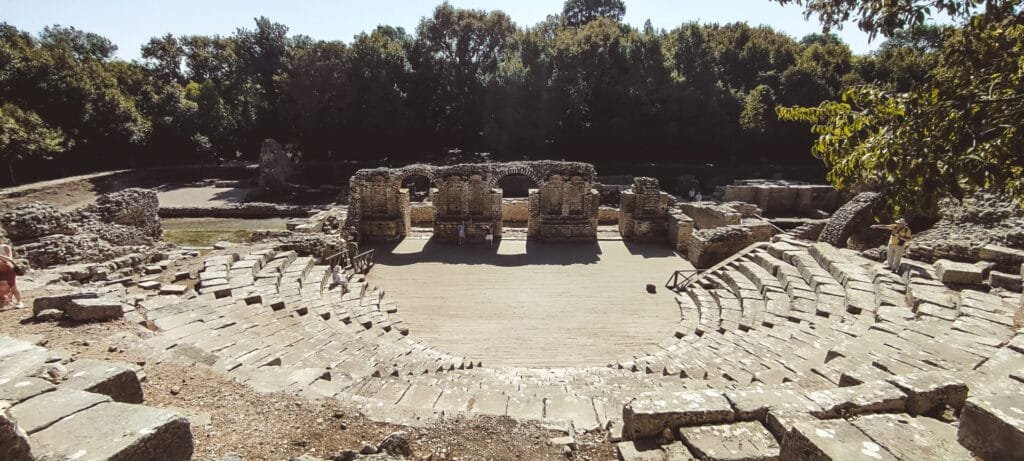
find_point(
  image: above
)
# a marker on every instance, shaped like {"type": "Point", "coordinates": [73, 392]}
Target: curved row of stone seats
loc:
{"type": "Point", "coordinates": [905, 417]}
{"type": "Point", "coordinates": [271, 326]}
{"type": "Point", "coordinates": [588, 398]}
{"type": "Point", "coordinates": [807, 333]}
{"type": "Point", "coordinates": [92, 414]}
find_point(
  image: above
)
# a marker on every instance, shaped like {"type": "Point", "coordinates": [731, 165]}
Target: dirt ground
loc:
{"type": "Point", "coordinates": [229, 417]}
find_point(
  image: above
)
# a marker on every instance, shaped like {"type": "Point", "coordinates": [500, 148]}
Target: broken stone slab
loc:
{"type": "Point", "coordinates": [871, 397]}
{"type": "Point", "coordinates": [952, 272]}
{"type": "Point", "coordinates": [993, 426]}
{"type": "Point", "coordinates": [649, 414]}
{"type": "Point", "coordinates": [182, 275]}
{"type": "Point", "coordinates": [115, 379]}
{"type": "Point", "coordinates": [117, 431]}
{"type": "Point", "coordinates": [14, 444]}
{"type": "Point", "coordinates": [42, 411]}
{"type": "Point", "coordinates": [60, 301]}
{"type": "Point", "coordinates": [94, 309]}
{"type": "Point", "coordinates": [149, 285]}
{"type": "Point", "coordinates": [14, 390]}
{"type": "Point", "coordinates": [1005, 281]}
{"type": "Point", "coordinates": [651, 450]}
{"type": "Point", "coordinates": [827, 440]}
{"type": "Point", "coordinates": [743, 441]}
{"type": "Point", "coordinates": [754, 404]}
{"type": "Point", "coordinates": [1001, 255]}
{"type": "Point", "coordinates": [780, 422]}
{"type": "Point", "coordinates": [913, 438]}
{"type": "Point", "coordinates": [173, 289]}
{"type": "Point", "coordinates": [931, 391]}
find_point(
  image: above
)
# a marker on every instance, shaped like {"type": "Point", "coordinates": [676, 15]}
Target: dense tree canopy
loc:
{"type": "Point", "coordinates": [942, 115]}
{"type": "Point", "coordinates": [579, 85]}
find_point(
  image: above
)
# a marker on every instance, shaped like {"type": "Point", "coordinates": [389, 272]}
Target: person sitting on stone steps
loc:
{"type": "Point", "coordinates": [899, 238]}
{"type": "Point", "coordinates": [338, 278]}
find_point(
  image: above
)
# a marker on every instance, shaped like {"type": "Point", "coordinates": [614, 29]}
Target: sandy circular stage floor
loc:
{"type": "Point", "coordinates": [532, 304]}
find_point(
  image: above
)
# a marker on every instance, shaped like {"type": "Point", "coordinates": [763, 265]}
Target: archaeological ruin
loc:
{"type": "Point", "coordinates": [779, 333]}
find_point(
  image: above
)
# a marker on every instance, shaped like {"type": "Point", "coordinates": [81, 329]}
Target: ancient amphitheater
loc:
{"type": "Point", "coordinates": [764, 345]}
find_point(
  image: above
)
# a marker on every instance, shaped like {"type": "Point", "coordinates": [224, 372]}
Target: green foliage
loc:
{"type": "Point", "coordinates": [24, 135]}
{"type": "Point", "coordinates": [954, 131]}
{"type": "Point", "coordinates": [576, 13]}
{"type": "Point", "coordinates": [579, 85]}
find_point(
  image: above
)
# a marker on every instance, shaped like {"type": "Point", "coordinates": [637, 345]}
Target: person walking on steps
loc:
{"type": "Point", "coordinates": [899, 238]}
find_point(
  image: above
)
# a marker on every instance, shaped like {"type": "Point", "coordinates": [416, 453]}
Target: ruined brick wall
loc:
{"type": "Point", "coordinates": [781, 197]}
{"type": "Point", "coordinates": [680, 231]}
{"type": "Point", "coordinates": [644, 211]}
{"type": "Point", "coordinates": [565, 198]}
{"type": "Point", "coordinates": [855, 214]}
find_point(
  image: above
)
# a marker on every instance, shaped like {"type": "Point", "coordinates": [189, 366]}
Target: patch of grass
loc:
{"type": "Point", "coordinates": [205, 238]}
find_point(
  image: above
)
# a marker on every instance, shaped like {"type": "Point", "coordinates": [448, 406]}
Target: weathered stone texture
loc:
{"type": "Point", "coordinates": [854, 215]}
{"type": "Point", "coordinates": [276, 167]}
{"type": "Point", "coordinates": [993, 427]}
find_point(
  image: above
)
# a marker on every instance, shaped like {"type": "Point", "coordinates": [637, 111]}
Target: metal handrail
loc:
{"type": "Point", "coordinates": [673, 282]}
{"type": "Point", "coordinates": [360, 264]}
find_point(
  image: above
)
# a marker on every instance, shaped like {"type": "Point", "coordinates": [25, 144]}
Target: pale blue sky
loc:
{"type": "Point", "coordinates": [129, 23]}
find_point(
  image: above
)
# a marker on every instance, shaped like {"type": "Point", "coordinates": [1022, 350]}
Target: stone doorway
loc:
{"type": "Point", "coordinates": [515, 203]}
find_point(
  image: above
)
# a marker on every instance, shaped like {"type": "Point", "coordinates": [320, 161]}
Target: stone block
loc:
{"type": "Point", "coordinates": [754, 404]}
{"type": "Point", "coordinates": [115, 379]}
{"type": "Point", "coordinates": [993, 427]}
{"type": "Point", "coordinates": [780, 422]}
{"type": "Point", "coordinates": [830, 440]}
{"type": "Point", "coordinates": [913, 438]}
{"type": "Point", "coordinates": [149, 285]}
{"type": "Point", "coordinates": [871, 397]}
{"type": "Point", "coordinates": [743, 441]}
{"type": "Point", "coordinates": [94, 309]}
{"type": "Point", "coordinates": [1005, 281]}
{"type": "Point", "coordinates": [40, 412]}
{"type": "Point", "coordinates": [60, 301]}
{"type": "Point", "coordinates": [1001, 255]}
{"type": "Point", "coordinates": [14, 444]}
{"type": "Point", "coordinates": [118, 431]}
{"type": "Point", "coordinates": [173, 289]}
{"type": "Point", "coordinates": [931, 391]}
{"type": "Point", "coordinates": [649, 414]}
{"type": "Point", "coordinates": [952, 272]}
{"type": "Point", "coordinates": [14, 390]}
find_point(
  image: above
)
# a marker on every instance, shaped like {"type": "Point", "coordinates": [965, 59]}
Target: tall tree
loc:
{"type": "Point", "coordinates": [954, 133]}
{"type": "Point", "coordinates": [576, 13]}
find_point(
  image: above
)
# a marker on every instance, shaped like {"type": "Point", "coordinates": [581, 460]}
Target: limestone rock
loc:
{"type": "Point", "coordinates": [849, 218]}
{"type": "Point", "coordinates": [993, 427]}
{"type": "Point", "coordinates": [34, 220]}
{"type": "Point", "coordinates": [118, 431]}
{"type": "Point", "coordinates": [94, 309]}
{"type": "Point", "coordinates": [14, 445]}
{"type": "Point", "coordinates": [871, 397]}
{"type": "Point", "coordinates": [748, 441]}
{"type": "Point", "coordinates": [396, 443]}
{"type": "Point", "coordinates": [317, 245]}
{"type": "Point", "coordinates": [913, 438]}
{"type": "Point", "coordinates": [931, 391]}
{"type": "Point", "coordinates": [834, 439]}
{"type": "Point", "coordinates": [16, 390]}
{"type": "Point", "coordinates": [651, 413]}
{"type": "Point", "coordinates": [60, 301]}
{"type": "Point", "coordinates": [115, 379]}
{"type": "Point", "coordinates": [49, 315]}
{"type": "Point", "coordinates": [952, 272]}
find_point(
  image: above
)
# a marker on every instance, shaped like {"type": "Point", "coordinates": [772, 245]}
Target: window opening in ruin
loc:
{"type": "Point", "coordinates": [418, 186]}
{"type": "Point", "coordinates": [515, 206]}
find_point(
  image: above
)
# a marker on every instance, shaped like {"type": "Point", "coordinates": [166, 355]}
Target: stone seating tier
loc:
{"type": "Point", "coordinates": [785, 339]}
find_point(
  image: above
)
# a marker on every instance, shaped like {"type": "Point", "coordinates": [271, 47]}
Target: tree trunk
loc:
{"type": "Point", "coordinates": [10, 170]}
